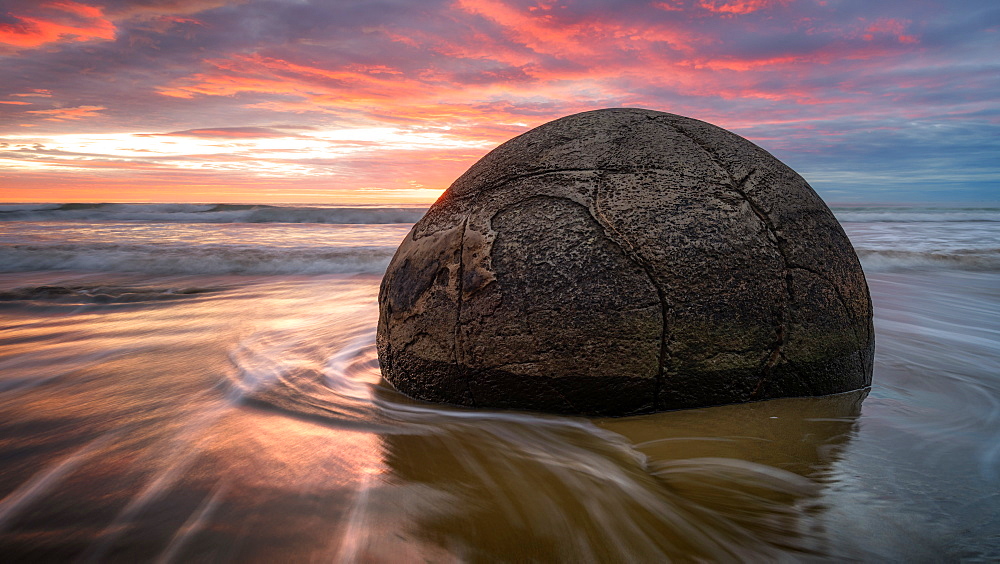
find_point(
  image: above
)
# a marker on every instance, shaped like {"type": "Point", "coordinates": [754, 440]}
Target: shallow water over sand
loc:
{"type": "Point", "coordinates": [243, 418]}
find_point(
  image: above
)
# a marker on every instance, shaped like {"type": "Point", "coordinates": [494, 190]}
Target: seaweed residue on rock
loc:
{"type": "Point", "coordinates": [625, 261]}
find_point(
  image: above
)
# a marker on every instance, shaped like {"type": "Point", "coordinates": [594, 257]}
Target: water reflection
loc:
{"type": "Point", "coordinates": [203, 429]}
{"type": "Point", "coordinates": [719, 483]}
{"type": "Point", "coordinates": [800, 435]}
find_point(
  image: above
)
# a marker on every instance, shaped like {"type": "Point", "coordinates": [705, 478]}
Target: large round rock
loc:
{"type": "Point", "coordinates": [624, 261]}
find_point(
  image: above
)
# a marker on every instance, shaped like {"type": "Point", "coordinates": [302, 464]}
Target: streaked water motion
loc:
{"type": "Point", "coordinates": [174, 390]}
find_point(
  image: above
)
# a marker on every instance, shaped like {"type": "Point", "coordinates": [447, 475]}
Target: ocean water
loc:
{"type": "Point", "coordinates": [199, 382]}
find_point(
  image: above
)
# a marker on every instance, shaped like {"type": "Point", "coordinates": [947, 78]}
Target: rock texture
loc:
{"type": "Point", "coordinates": [624, 261]}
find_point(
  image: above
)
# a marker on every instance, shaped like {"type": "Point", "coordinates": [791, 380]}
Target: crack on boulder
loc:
{"type": "Point", "coordinates": [629, 249]}
{"type": "Point", "coordinates": [843, 303]}
{"type": "Point", "coordinates": [503, 181]}
{"type": "Point", "coordinates": [738, 186]}
{"type": "Point", "coordinates": [414, 339]}
{"type": "Point", "coordinates": [781, 331]}
{"type": "Point", "coordinates": [459, 350]}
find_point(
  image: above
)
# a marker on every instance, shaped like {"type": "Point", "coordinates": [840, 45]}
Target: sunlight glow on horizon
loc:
{"type": "Point", "coordinates": [186, 97]}
{"type": "Point", "coordinates": [292, 157]}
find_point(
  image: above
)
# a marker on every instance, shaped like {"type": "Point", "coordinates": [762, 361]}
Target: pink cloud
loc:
{"type": "Point", "coordinates": [482, 70]}
{"type": "Point", "coordinates": [737, 7]}
{"type": "Point", "coordinates": [889, 27]}
{"type": "Point", "coordinates": [586, 35]}
{"type": "Point", "coordinates": [62, 21]}
{"type": "Point", "coordinates": [229, 133]}
{"type": "Point", "coordinates": [503, 56]}
{"type": "Point", "coordinates": [35, 93]}
{"type": "Point", "coordinates": [672, 6]}
{"type": "Point", "coordinates": [64, 114]}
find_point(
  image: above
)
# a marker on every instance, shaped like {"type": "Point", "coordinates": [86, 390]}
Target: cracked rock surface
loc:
{"type": "Point", "coordinates": [624, 261]}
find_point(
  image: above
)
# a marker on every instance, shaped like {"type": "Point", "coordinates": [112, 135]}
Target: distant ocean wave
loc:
{"type": "Point", "coordinates": [222, 239]}
{"type": "Point", "coordinates": [209, 213]}
{"type": "Point", "coordinates": [370, 260]}
{"type": "Point", "coordinates": [159, 259]}
{"type": "Point", "coordinates": [914, 214]}
{"type": "Point", "coordinates": [892, 260]}
{"type": "Point", "coordinates": [82, 294]}
{"type": "Point", "coordinates": [260, 213]}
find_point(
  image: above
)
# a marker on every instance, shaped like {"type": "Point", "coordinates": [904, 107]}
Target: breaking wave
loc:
{"type": "Point", "coordinates": [915, 215]}
{"type": "Point", "coordinates": [208, 259]}
{"type": "Point", "coordinates": [893, 260]}
{"type": "Point", "coordinates": [210, 213]}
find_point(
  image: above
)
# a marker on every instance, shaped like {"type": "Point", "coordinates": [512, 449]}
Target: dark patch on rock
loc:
{"type": "Point", "coordinates": [625, 261]}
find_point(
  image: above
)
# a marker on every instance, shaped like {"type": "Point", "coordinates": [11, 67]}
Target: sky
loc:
{"type": "Point", "coordinates": [383, 101]}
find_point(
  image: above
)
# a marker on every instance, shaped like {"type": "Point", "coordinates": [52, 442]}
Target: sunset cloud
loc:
{"type": "Point", "coordinates": [889, 27]}
{"type": "Point", "coordinates": [35, 93]}
{"type": "Point", "coordinates": [53, 22]}
{"type": "Point", "coordinates": [66, 114]}
{"type": "Point", "coordinates": [230, 133]}
{"type": "Point", "coordinates": [740, 6]}
{"type": "Point", "coordinates": [200, 84]}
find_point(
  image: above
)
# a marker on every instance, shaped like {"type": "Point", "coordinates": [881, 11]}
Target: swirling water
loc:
{"type": "Point", "coordinates": [176, 391]}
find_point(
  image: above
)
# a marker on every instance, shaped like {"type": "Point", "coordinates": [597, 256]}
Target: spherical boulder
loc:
{"type": "Point", "coordinates": [624, 261]}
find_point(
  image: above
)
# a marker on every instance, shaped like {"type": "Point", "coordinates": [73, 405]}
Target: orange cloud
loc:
{"type": "Point", "coordinates": [514, 82]}
{"type": "Point", "coordinates": [60, 22]}
{"type": "Point", "coordinates": [159, 9]}
{"type": "Point", "coordinates": [526, 66]}
{"type": "Point", "coordinates": [737, 7]}
{"type": "Point", "coordinates": [255, 73]}
{"type": "Point", "coordinates": [789, 63]}
{"type": "Point", "coordinates": [64, 114]}
{"type": "Point", "coordinates": [314, 88]}
{"type": "Point", "coordinates": [601, 56]}
{"type": "Point", "coordinates": [229, 133]}
{"type": "Point", "coordinates": [543, 32]}
{"type": "Point", "coordinates": [35, 93]}
{"type": "Point", "coordinates": [675, 6]}
{"type": "Point", "coordinates": [15, 103]}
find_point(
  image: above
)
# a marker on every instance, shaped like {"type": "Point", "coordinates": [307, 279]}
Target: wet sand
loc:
{"type": "Point", "coordinates": [239, 418]}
